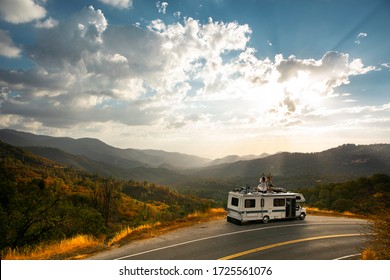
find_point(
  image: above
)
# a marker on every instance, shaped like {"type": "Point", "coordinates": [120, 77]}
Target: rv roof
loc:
{"type": "Point", "coordinates": [255, 193]}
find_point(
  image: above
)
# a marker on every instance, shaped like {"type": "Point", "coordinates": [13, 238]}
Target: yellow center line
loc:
{"type": "Point", "coordinates": [240, 254]}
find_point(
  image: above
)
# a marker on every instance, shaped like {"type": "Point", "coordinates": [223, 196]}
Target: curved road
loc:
{"type": "Point", "coordinates": [315, 238]}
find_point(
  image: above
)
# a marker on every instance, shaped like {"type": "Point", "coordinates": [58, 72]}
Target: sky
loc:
{"type": "Point", "coordinates": [208, 78]}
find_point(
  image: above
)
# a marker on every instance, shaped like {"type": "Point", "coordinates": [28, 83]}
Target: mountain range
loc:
{"type": "Point", "coordinates": [169, 168]}
{"type": "Point", "coordinates": [100, 151]}
{"type": "Point", "coordinates": [337, 164]}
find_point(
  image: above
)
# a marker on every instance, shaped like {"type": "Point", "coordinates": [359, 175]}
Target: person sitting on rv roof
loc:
{"type": "Point", "coordinates": [269, 180]}
{"type": "Point", "coordinates": [262, 187]}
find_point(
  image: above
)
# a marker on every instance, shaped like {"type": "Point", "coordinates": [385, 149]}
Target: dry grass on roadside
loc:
{"type": "Point", "coordinates": [82, 246]}
{"type": "Point", "coordinates": [316, 211]}
{"type": "Point", "coordinates": [120, 235]}
{"type": "Point", "coordinates": [73, 246]}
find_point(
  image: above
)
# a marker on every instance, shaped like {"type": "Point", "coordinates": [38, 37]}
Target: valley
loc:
{"type": "Point", "coordinates": [53, 188]}
{"type": "Point", "coordinates": [183, 171]}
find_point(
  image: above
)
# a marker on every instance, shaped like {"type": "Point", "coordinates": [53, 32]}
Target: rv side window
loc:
{"type": "Point", "coordinates": [250, 203]}
{"type": "Point", "coordinates": [234, 201]}
{"type": "Point", "coordinates": [262, 202]}
{"type": "Point", "coordinates": [279, 202]}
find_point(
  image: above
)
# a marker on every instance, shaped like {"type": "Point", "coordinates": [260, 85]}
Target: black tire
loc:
{"type": "Point", "coordinates": [265, 219]}
{"type": "Point", "coordinates": [302, 216]}
{"type": "Point", "coordinates": [233, 221]}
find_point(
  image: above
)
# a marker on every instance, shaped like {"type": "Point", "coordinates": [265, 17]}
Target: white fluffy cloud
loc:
{"type": "Point", "coordinates": [359, 37]}
{"type": "Point", "coordinates": [89, 71]}
{"type": "Point", "coordinates": [304, 80]}
{"type": "Point", "coordinates": [7, 46]}
{"type": "Point", "coordinates": [162, 7]}
{"type": "Point", "coordinates": [47, 24]}
{"type": "Point", "coordinates": [122, 4]}
{"type": "Point", "coordinates": [21, 11]}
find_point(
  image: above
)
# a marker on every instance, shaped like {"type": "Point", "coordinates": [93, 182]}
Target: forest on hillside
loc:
{"type": "Point", "coordinates": [365, 196]}
{"type": "Point", "coordinates": [42, 201]}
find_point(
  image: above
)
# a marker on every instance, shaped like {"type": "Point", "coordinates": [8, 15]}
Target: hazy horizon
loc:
{"type": "Point", "coordinates": [208, 157]}
{"type": "Point", "coordinates": [206, 78]}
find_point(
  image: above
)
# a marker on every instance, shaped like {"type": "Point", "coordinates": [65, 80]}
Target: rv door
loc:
{"type": "Point", "coordinates": [291, 204]}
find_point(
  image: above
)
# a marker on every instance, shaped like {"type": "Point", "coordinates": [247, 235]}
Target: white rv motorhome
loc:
{"type": "Point", "coordinates": [246, 204]}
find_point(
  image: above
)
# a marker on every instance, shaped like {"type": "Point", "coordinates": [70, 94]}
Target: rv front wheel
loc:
{"type": "Point", "coordinates": [265, 219]}
{"type": "Point", "coordinates": [302, 216]}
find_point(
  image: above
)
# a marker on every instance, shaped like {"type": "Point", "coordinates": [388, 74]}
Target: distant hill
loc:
{"type": "Point", "coordinates": [15, 154]}
{"type": "Point", "coordinates": [194, 174]}
{"type": "Point", "coordinates": [235, 158]}
{"type": "Point", "coordinates": [99, 151]}
{"type": "Point", "coordinates": [141, 173]}
{"type": "Point", "coordinates": [78, 162]}
{"type": "Point", "coordinates": [336, 164]}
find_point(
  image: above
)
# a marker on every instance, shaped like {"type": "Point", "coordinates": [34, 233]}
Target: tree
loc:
{"type": "Point", "coordinates": [32, 214]}
{"type": "Point", "coordinates": [379, 239]}
{"type": "Point", "coordinates": [108, 194]}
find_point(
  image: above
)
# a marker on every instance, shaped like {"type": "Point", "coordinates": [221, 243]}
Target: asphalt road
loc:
{"type": "Point", "coordinates": [315, 238]}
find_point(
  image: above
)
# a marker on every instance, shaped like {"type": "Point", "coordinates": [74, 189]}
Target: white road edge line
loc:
{"type": "Point", "coordinates": [349, 256]}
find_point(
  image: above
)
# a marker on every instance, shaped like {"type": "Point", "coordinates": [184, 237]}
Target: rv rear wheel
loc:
{"type": "Point", "coordinates": [265, 219]}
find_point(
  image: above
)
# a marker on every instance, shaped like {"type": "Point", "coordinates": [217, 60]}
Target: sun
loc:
{"type": "Point", "coordinates": [304, 90]}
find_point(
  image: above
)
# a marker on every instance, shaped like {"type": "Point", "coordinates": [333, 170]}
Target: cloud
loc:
{"type": "Point", "coordinates": [67, 42]}
{"type": "Point", "coordinates": [120, 4]}
{"type": "Point", "coordinates": [47, 24]}
{"type": "Point", "coordinates": [165, 79]}
{"type": "Point", "coordinates": [162, 7]}
{"type": "Point", "coordinates": [281, 89]}
{"type": "Point", "coordinates": [7, 46]}
{"type": "Point", "coordinates": [359, 37]}
{"type": "Point", "coordinates": [304, 82]}
{"type": "Point", "coordinates": [89, 70]}
{"type": "Point", "coordinates": [385, 65]}
{"type": "Point", "coordinates": [21, 11]}
{"type": "Point", "coordinates": [354, 122]}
